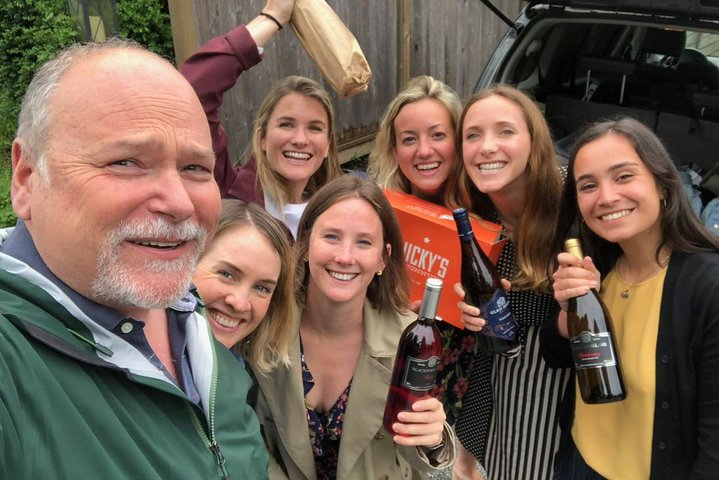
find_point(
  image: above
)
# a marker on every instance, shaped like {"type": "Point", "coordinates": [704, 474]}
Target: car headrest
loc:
{"type": "Point", "coordinates": [615, 65]}
{"type": "Point", "coordinates": [664, 42]}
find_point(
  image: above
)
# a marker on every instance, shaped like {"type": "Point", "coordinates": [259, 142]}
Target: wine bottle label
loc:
{"type": "Point", "coordinates": [593, 350]}
{"type": "Point", "coordinates": [500, 321]}
{"type": "Point", "coordinates": [420, 374]}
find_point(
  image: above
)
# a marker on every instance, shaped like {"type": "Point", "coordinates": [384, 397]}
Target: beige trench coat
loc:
{"type": "Point", "coordinates": [366, 449]}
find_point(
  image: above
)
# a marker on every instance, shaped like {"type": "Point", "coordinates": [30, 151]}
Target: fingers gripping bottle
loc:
{"type": "Point", "coordinates": [483, 289]}
{"type": "Point", "coordinates": [590, 337]}
{"type": "Point", "coordinates": [418, 356]}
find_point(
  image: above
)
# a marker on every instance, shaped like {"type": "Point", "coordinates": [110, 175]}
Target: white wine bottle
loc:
{"type": "Point", "coordinates": [590, 336]}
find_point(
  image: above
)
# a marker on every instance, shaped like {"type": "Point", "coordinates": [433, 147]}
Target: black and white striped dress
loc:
{"type": "Point", "coordinates": [509, 418]}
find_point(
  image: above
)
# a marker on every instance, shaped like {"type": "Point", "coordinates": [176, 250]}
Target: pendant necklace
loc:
{"type": "Point", "coordinates": [662, 264]}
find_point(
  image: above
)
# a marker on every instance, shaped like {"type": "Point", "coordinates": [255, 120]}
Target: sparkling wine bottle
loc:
{"type": "Point", "coordinates": [483, 289]}
{"type": "Point", "coordinates": [418, 356]}
{"type": "Point", "coordinates": [590, 337]}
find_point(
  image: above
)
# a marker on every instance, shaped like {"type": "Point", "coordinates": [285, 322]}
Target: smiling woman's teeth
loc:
{"type": "Point", "coordinates": [492, 166]}
{"type": "Point", "coordinates": [428, 166]}
{"type": "Point", "coordinates": [343, 276]}
{"type": "Point", "coordinates": [223, 320]}
{"type": "Point", "coordinates": [297, 155]}
{"type": "Point", "coordinates": [615, 215]}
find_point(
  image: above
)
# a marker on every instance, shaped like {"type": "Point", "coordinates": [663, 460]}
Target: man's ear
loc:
{"type": "Point", "coordinates": [22, 176]}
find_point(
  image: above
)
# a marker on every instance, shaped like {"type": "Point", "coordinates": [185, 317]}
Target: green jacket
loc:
{"type": "Point", "coordinates": [76, 402]}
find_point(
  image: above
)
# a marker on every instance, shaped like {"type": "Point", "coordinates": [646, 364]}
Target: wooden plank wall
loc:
{"type": "Point", "coordinates": [453, 39]}
{"type": "Point", "coordinates": [449, 39]}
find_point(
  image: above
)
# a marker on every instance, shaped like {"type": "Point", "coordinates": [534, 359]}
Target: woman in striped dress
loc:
{"type": "Point", "coordinates": [509, 418]}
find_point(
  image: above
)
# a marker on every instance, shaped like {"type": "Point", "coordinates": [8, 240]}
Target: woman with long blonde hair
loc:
{"type": "Point", "coordinates": [294, 150]}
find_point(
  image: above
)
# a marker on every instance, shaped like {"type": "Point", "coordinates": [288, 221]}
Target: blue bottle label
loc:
{"type": "Point", "coordinates": [420, 374]}
{"type": "Point", "coordinates": [500, 321]}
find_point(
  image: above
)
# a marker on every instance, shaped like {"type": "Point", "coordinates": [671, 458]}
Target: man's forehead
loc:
{"type": "Point", "coordinates": [105, 81]}
{"type": "Point", "coordinates": [106, 70]}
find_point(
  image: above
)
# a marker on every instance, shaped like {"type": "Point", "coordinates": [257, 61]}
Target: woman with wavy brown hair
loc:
{"type": "Point", "coordinates": [508, 419]}
{"type": "Point", "coordinates": [322, 416]}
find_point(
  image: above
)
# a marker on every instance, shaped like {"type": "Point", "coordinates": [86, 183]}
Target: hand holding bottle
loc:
{"type": "Point", "coordinates": [470, 314]}
{"type": "Point", "coordinates": [423, 426]}
{"type": "Point", "coordinates": [573, 278]}
{"type": "Point", "coordinates": [590, 332]}
{"type": "Point", "coordinates": [415, 367]}
{"type": "Point", "coordinates": [484, 289]}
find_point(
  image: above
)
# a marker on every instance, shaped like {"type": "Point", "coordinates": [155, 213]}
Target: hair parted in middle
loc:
{"type": "Point", "coordinates": [270, 180]}
{"type": "Point", "coordinates": [534, 235]}
{"type": "Point", "coordinates": [387, 291]}
{"type": "Point", "coordinates": [382, 167]}
{"type": "Point", "coordinates": [681, 229]}
{"type": "Point", "coordinates": [268, 345]}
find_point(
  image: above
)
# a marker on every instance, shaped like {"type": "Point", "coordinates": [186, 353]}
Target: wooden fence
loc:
{"type": "Point", "coordinates": [448, 39]}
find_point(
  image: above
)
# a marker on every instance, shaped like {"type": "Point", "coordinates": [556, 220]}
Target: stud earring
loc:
{"type": "Point", "coordinates": [380, 272]}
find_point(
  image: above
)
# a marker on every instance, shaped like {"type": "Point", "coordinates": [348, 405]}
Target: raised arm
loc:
{"type": "Point", "coordinates": [217, 65]}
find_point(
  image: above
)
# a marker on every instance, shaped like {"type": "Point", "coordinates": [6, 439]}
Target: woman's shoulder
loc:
{"type": "Point", "coordinates": [695, 274]}
{"type": "Point", "coordinates": [384, 327]}
{"type": "Point", "coordinates": [699, 260]}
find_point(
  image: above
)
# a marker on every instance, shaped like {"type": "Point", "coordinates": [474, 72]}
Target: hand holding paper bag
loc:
{"type": "Point", "coordinates": [331, 46]}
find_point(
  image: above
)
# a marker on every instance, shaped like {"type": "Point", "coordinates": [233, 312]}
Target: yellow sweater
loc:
{"type": "Point", "coordinates": [615, 439]}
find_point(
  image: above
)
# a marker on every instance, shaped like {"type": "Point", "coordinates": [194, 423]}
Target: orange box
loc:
{"type": "Point", "coordinates": [431, 247]}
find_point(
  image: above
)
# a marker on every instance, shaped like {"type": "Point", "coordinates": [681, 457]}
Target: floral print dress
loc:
{"type": "Point", "coordinates": [325, 428]}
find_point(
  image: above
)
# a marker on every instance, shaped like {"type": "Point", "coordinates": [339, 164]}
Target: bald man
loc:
{"type": "Point", "coordinates": [106, 368]}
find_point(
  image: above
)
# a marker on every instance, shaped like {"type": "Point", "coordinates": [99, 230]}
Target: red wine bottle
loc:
{"type": "Point", "coordinates": [418, 356]}
{"type": "Point", "coordinates": [590, 336]}
{"type": "Point", "coordinates": [483, 289]}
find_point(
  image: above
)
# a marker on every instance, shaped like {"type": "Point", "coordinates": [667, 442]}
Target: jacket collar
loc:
{"type": "Point", "coordinates": [365, 409]}
{"type": "Point", "coordinates": [45, 312]}
{"type": "Point", "coordinates": [370, 384]}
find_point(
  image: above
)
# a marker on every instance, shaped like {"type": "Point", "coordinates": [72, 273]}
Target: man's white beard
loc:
{"type": "Point", "coordinates": [116, 283]}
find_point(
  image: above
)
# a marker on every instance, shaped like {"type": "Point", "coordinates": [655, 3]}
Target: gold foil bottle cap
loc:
{"type": "Point", "coordinates": [572, 245]}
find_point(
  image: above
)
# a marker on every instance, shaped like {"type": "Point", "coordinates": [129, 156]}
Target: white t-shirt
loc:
{"type": "Point", "coordinates": [290, 215]}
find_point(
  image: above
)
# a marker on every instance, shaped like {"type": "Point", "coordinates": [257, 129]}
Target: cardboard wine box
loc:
{"type": "Point", "coordinates": [431, 247]}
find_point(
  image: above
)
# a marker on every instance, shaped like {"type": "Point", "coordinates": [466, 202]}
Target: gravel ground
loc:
{"type": "Point", "coordinates": [446, 474]}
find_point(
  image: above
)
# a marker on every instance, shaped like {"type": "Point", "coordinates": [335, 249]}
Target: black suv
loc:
{"type": "Point", "coordinates": [654, 60]}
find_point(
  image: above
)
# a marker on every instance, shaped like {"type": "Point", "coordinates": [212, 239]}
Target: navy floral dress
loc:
{"type": "Point", "coordinates": [458, 357]}
{"type": "Point", "coordinates": [325, 428]}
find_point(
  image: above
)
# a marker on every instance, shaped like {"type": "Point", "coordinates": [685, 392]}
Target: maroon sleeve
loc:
{"type": "Point", "coordinates": [211, 71]}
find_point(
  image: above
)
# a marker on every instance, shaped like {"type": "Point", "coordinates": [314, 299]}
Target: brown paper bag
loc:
{"type": "Point", "coordinates": [331, 46]}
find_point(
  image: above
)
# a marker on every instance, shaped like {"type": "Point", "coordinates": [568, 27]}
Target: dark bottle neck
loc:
{"type": "Point", "coordinates": [464, 230]}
